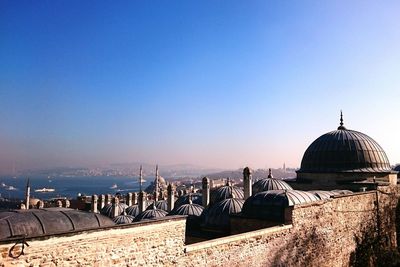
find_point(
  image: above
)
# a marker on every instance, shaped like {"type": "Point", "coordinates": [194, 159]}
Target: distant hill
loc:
{"type": "Point", "coordinates": [257, 174]}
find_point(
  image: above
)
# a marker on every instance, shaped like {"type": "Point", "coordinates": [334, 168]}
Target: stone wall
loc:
{"type": "Point", "coordinates": [334, 232]}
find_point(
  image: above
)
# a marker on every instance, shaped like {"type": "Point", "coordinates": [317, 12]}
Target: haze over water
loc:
{"type": "Point", "coordinates": [217, 84]}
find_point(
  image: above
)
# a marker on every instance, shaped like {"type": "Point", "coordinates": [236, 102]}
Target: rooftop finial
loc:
{"type": "Point", "coordinates": [341, 127]}
{"type": "Point", "coordinates": [270, 173]}
{"type": "Point", "coordinates": [140, 177]}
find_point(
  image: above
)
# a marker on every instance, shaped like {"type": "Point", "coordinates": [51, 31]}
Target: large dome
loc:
{"type": "Point", "coordinates": [344, 151]}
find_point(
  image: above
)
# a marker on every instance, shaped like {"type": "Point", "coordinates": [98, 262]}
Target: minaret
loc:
{"type": "Point", "coordinates": [156, 185]}
{"type": "Point", "coordinates": [142, 195]}
{"type": "Point", "coordinates": [270, 173]}
{"type": "Point", "coordinates": [171, 200]}
{"type": "Point", "coordinates": [247, 182]}
{"type": "Point", "coordinates": [27, 194]}
{"type": "Point", "coordinates": [341, 127]}
{"type": "Point", "coordinates": [206, 191]}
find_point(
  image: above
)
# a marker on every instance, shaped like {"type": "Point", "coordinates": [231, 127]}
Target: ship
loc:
{"type": "Point", "coordinates": [114, 186]}
{"type": "Point", "coordinates": [45, 190]}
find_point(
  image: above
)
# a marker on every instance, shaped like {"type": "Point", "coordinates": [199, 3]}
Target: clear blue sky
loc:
{"type": "Point", "coordinates": [213, 83]}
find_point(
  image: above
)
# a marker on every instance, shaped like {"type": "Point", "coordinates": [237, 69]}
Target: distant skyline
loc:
{"type": "Point", "coordinates": [215, 84]}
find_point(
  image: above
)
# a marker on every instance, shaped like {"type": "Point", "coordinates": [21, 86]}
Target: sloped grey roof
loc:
{"type": "Point", "coordinates": [37, 222]}
{"type": "Point", "coordinates": [132, 210]}
{"type": "Point", "coordinates": [161, 205]}
{"type": "Point", "coordinates": [151, 214]}
{"type": "Point", "coordinates": [123, 219]}
{"type": "Point", "coordinates": [323, 194]}
{"type": "Point", "coordinates": [267, 184]}
{"type": "Point", "coordinates": [217, 215]}
{"type": "Point", "coordinates": [187, 209]}
{"type": "Point", "coordinates": [197, 198]}
{"type": "Point", "coordinates": [107, 209]}
{"type": "Point", "coordinates": [225, 192]}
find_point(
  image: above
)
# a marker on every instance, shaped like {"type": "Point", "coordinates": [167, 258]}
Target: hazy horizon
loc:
{"type": "Point", "coordinates": [215, 84]}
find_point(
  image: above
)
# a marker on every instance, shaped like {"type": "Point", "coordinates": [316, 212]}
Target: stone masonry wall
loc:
{"type": "Point", "coordinates": [326, 233]}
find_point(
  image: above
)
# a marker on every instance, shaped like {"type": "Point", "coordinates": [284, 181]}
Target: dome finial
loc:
{"type": "Point", "coordinates": [341, 127]}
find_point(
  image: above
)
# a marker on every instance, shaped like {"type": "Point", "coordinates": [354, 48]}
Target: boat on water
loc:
{"type": "Point", "coordinates": [114, 186]}
{"type": "Point", "coordinates": [45, 190]}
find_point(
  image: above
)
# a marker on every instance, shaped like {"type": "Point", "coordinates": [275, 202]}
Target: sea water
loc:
{"type": "Point", "coordinates": [69, 187]}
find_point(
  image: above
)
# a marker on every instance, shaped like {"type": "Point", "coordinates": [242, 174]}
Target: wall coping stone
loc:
{"type": "Point", "coordinates": [233, 238]}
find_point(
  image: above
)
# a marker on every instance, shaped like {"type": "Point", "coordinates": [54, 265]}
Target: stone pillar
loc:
{"type": "Point", "coordinates": [67, 203]}
{"type": "Point", "coordinates": [23, 207]}
{"type": "Point", "coordinates": [206, 191]}
{"type": "Point", "coordinates": [94, 204]}
{"type": "Point", "coordinates": [134, 198]}
{"type": "Point", "coordinates": [115, 207]}
{"type": "Point", "coordinates": [247, 182]}
{"type": "Point", "coordinates": [27, 194]}
{"type": "Point", "coordinates": [108, 199]}
{"type": "Point", "coordinates": [142, 201]}
{"type": "Point", "coordinates": [59, 203]}
{"type": "Point", "coordinates": [128, 200]}
{"type": "Point", "coordinates": [171, 198]}
{"type": "Point", "coordinates": [40, 204]}
{"type": "Point", "coordinates": [102, 201]}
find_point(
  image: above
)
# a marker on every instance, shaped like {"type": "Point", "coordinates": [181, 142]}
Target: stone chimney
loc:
{"type": "Point", "coordinates": [247, 182]}
{"type": "Point", "coordinates": [108, 199]}
{"type": "Point", "coordinates": [94, 204]}
{"type": "Point", "coordinates": [115, 207]}
{"type": "Point", "coordinates": [142, 201]}
{"type": "Point", "coordinates": [102, 201]}
{"type": "Point", "coordinates": [134, 198]}
{"type": "Point", "coordinates": [40, 204]}
{"type": "Point", "coordinates": [206, 191]}
{"type": "Point", "coordinates": [22, 207]}
{"type": "Point", "coordinates": [59, 203]}
{"type": "Point", "coordinates": [156, 185]}
{"type": "Point", "coordinates": [171, 198]}
{"type": "Point", "coordinates": [128, 200]}
{"type": "Point", "coordinates": [67, 203]}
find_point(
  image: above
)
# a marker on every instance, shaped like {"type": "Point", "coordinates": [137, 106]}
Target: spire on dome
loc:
{"type": "Point", "coordinates": [341, 127]}
{"type": "Point", "coordinates": [270, 173]}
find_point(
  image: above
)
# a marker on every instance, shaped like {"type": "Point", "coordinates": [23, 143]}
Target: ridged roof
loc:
{"type": "Point", "coordinates": [267, 184]}
{"type": "Point", "coordinates": [123, 219]}
{"type": "Point", "coordinates": [188, 209]}
{"type": "Point", "coordinates": [48, 221]}
{"type": "Point", "coordinates": [217, 215]}
{"type": "Point", "coordinates": [161, 205]}
{"type": "Point", "coordinates": [225, 192]}
{"type": "Point", "coordinates": [107, 209]}
{"type": "Point", "coordinates": [344, 151]}
{"type": "Point", "coordinates": [268, 204]}
{"type": "Point", "coordinates": [132, 210]}
{"type": "Point", "coordinates": [196, 199]}
{"type": "Point", "coordinates": [151, 215]}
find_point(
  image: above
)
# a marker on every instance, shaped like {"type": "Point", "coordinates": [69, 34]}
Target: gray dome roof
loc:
{"type": "Point", "coordinates": [344, 151]}
{"type": "Point", "coordinates": [107, 209]}
{"type": "Point", "coordinates": [188, 209]}
{"type": "Point", "coordinates": [267, 184]}
{"type": "Point", "coordinates": [132, 210]}
{"type": "Point", "coordinates": [218, 214]}
{"type": "Point", "coordinates": [225, 192]}
{"type": "Point", "coordinates": [323, 194]}
{"type": "Point", "coordinates": [161, 205]}
{"type": "Point", "coordinates": [48, 221]}
{"type": "Point", "coordinates": [151, 215]}
{"type": "Point", "coordinates": [271, 204]}
{"type": "Point", "coordinates": [196, 199]}
{"type": "Point", "coordinates": [123, 219]}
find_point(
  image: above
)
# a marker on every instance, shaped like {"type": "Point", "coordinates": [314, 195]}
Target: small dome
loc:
{"type": "Point", "coordinates": [123, 219]}
{"type": "Point", "coordinates": [151, 215]}
{"type": "Point", "coordinates": [397, 168]}
{"type": "Point", "coordinates": [225, 192]}
{"type": "Point", "coordinates": [48, 221]}
{"type": "Point", "coordinates": [268, 184]}
{"type": "Point", "coordinates": [188, 209]}
{"type": "Point", "coordinates": [132, 210]}
{"type": "Point", "coordinates": [161, 205]}
{"type": "Point", "coordinates": [196, 199]}
{"type": "Point", "coordinates": [271, 204]}
{"type": "Point", "coordinates": [218, 214]}
{"type": "Point", "coordinates": [107, 209]}
{"type": "Point", "coordinates": [323, 194]}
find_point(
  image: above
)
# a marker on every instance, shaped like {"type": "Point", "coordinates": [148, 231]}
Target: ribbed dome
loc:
{"type": "Point", "coordinates": [323, 194]}
{"type": "Point", "coordinates": [123, 219]}
{"type": "Point", "coordinates": [196, 199]}
{"type": "Point", "coordinates": [132, 210]}
{"type": "Point", "coordinates": [107, 209]}
{"type": "Point", "coordinates": [188, 209]}
{"type": "Point", "coordinates": [344, 151]}
{"type": "Point", "coordinates": [225, 192]}
{"type": "Point", "coordinates": [161, 205]}
{"type": "Point", "coordinates": [151, 215]}
{"type": "Point", "coordinates": [267, 184]}
{"type": "Point", "coordinates": [271, 204]}
{"type": "Point", "coordinates": [218, 214]}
